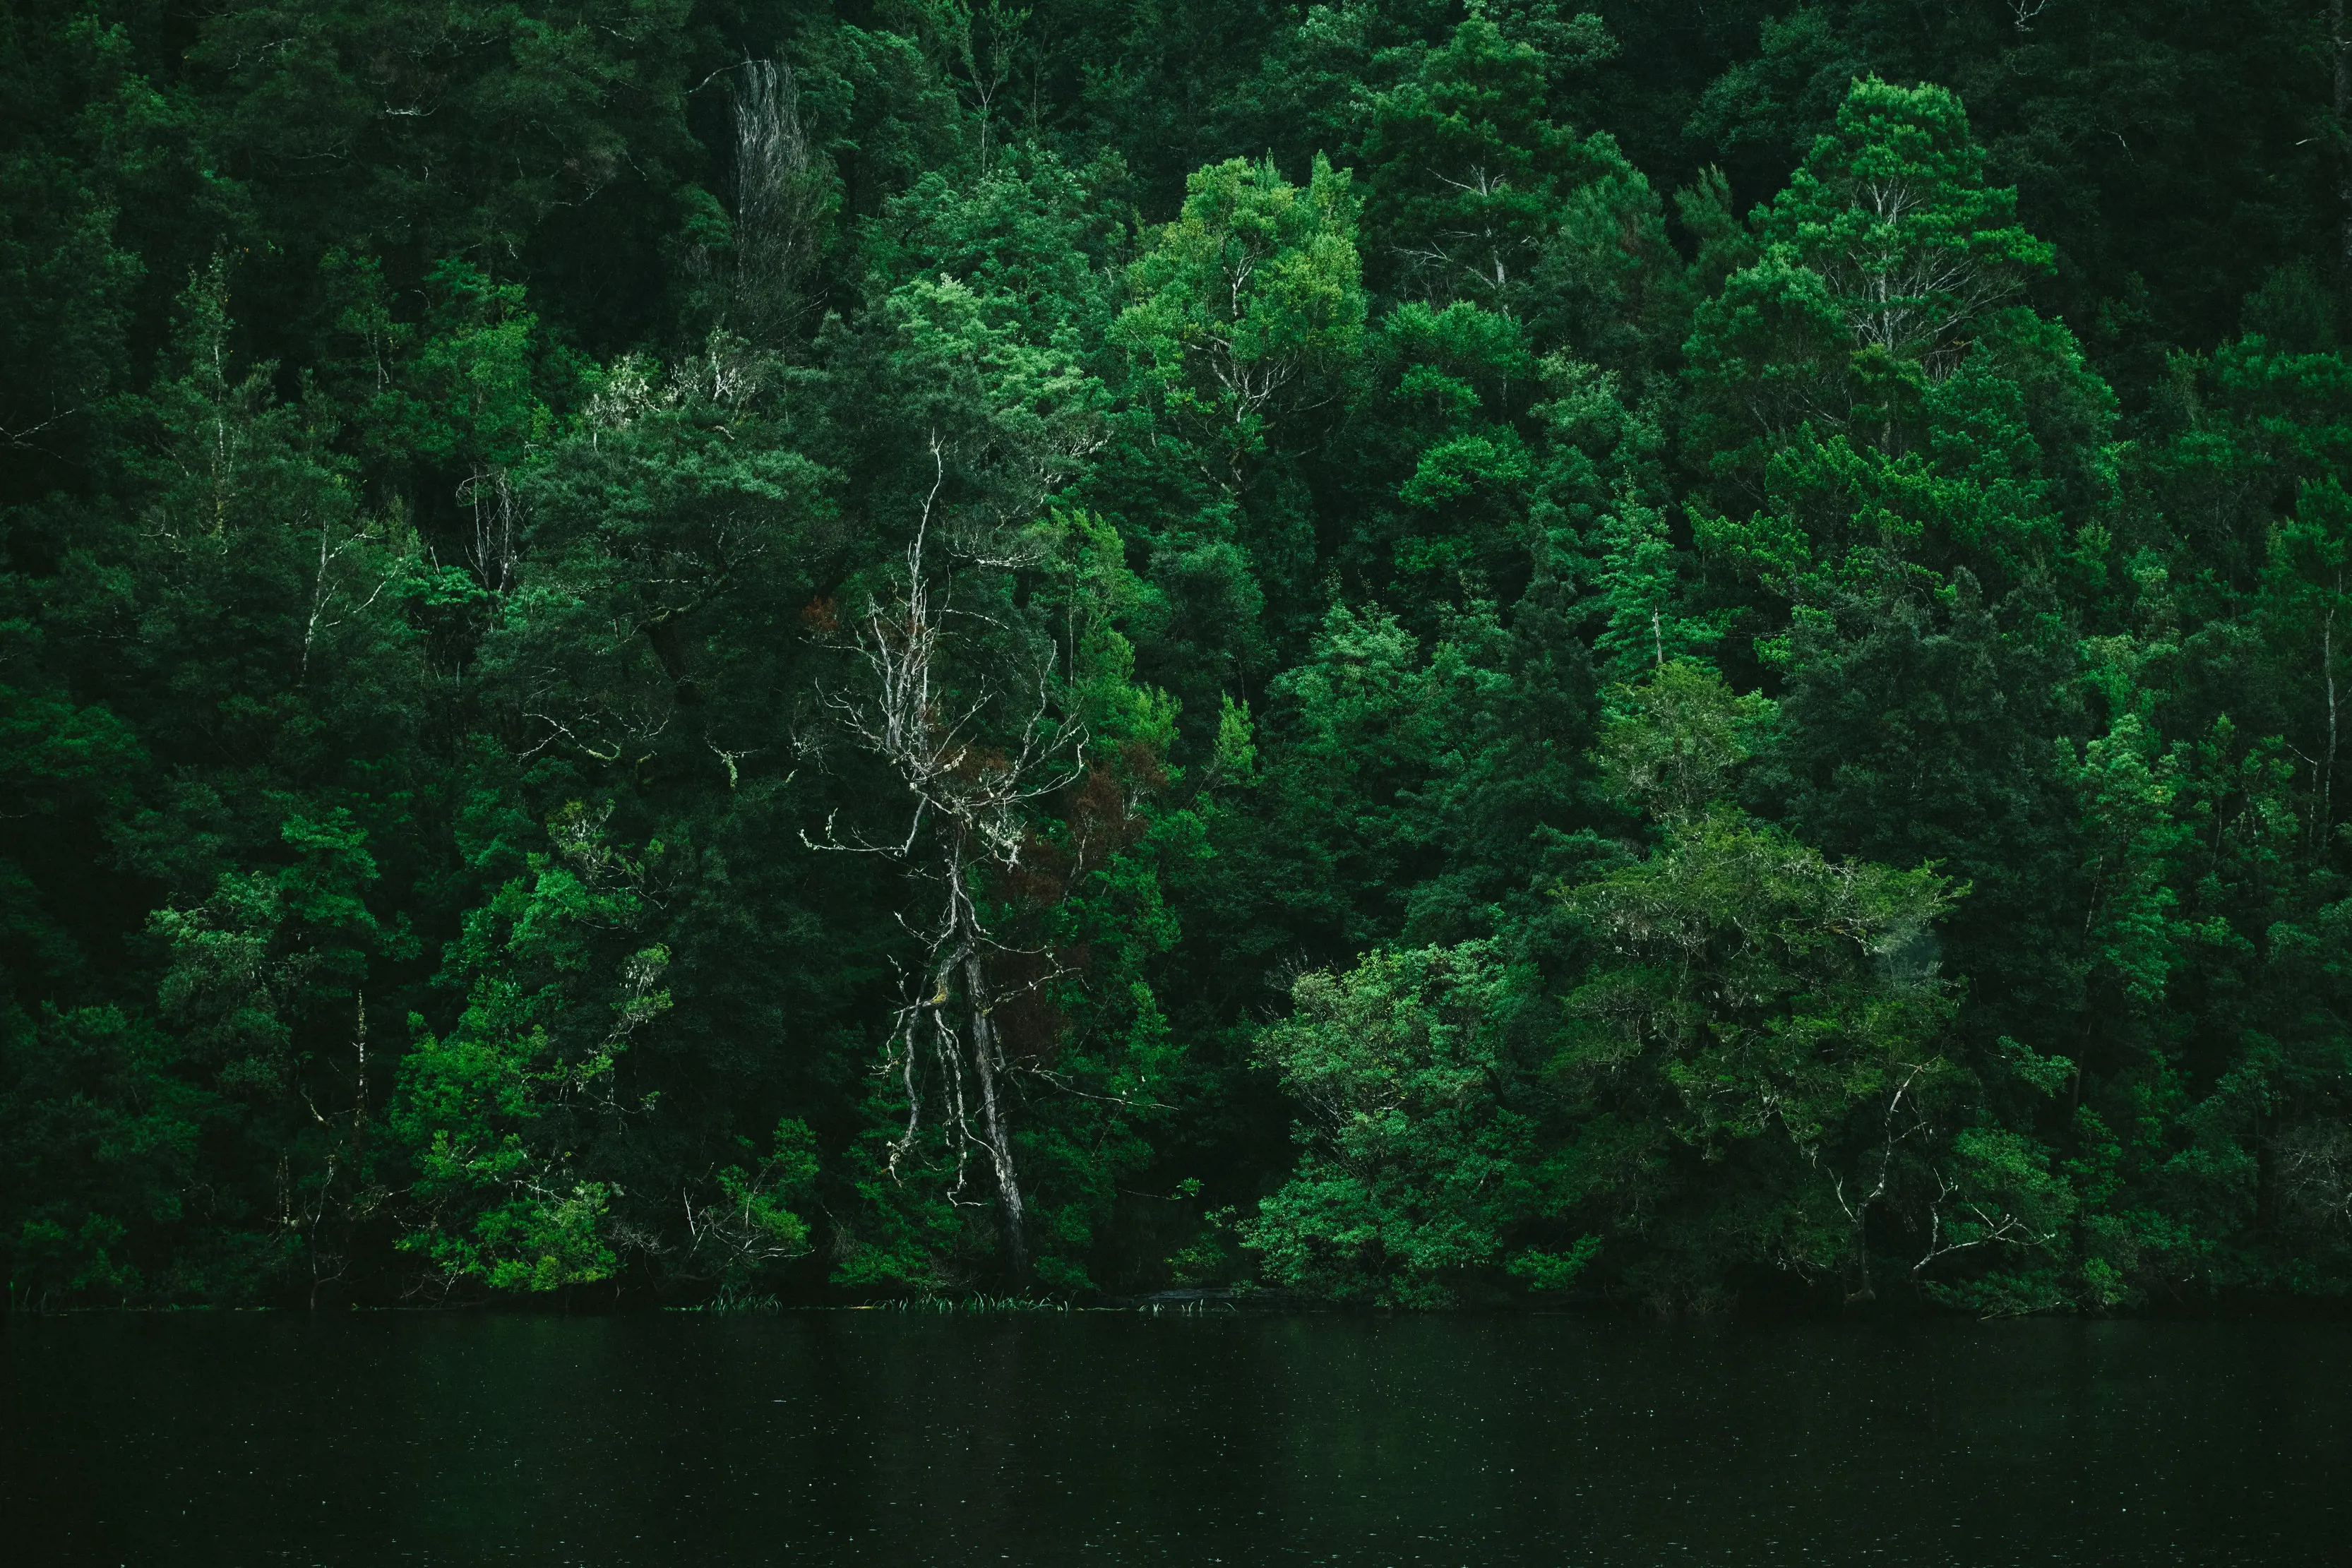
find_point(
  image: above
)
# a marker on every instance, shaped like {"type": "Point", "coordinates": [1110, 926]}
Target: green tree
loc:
{"type": "Point", "coordinates": [1248, 312]}
{"type": "Point", "coordinates": [1414, 1172]}
{"type": "Point", "coordinates": [502, 1116]}
{"type": "Point", "coordinates": [1760, 1056]}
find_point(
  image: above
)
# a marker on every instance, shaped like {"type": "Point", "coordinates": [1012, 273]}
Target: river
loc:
{"type": "Point", "coordinates": [892, 1439]}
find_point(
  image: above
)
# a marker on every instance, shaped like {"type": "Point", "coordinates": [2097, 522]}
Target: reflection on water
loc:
{"type": "Point", "coordinates": [874, 1437]}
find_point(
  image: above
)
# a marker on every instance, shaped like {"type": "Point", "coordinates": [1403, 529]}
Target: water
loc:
{"type": "Point", "coordinates": [883, 1439]}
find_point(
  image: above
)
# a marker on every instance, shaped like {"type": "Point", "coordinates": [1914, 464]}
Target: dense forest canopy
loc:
{"type": "Point", "coordinates": [686, 650]}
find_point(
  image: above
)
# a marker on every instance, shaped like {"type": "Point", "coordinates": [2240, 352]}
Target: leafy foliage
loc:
{"type": "Point", "coordinates": [1425, 654]}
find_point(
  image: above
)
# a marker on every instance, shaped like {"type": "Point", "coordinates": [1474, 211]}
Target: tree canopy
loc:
{"type": "Point", "coordinates": [1415, 652]}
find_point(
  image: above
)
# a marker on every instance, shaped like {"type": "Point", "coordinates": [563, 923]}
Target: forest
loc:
{"type": "Point", "coordinates": [700, 653]}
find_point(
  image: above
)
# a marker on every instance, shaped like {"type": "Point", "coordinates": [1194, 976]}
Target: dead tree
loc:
{"type": "Point", "coordinates": [968, 795]}
{"type": "Point", "coordinates": [779, 202]}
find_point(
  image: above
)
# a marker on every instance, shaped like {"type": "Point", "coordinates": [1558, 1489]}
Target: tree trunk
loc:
{"type": "Point", "coordinates": [980, 1041]}
{"type": "Point", "coordinates": [993, 1118]}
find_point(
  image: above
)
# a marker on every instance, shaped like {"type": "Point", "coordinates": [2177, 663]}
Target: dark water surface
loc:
{"type": "Point", "coordinates": [883, 1438]}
